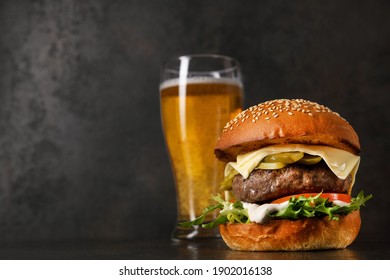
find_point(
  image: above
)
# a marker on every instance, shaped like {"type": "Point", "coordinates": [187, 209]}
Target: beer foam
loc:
{"type": "Point", "coordinates": [199, 80]}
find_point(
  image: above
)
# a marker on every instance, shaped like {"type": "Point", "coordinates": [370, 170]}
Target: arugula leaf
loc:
{"type": "Point", "coordinates": [199, 220]}
{"type": "Point", "coordinates": [317, 206]}
{"type": "Point", "coordinates": [298, 207]}
{"type": "Point", "coordinates": [355, 204]}
{"type": "Point", "coordinates": [218, 221]}
{"type": "Point", "coordinates": [229, 212]}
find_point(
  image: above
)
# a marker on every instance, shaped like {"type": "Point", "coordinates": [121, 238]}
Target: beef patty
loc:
{"type": "Point", "coordinates": [263, 185]}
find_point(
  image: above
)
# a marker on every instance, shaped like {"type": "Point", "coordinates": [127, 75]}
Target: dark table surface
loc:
{"type": "Point", "coordinates": [167, 249]}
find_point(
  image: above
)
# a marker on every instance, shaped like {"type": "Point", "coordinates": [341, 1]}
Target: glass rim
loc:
{"type": "Point", "coordinates": [235, 64]}
{"type": "Point", "coordinates": [206, 55]}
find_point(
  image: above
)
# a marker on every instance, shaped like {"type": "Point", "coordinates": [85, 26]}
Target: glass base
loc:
{"type": "Point", "coordinates": [194, 233]}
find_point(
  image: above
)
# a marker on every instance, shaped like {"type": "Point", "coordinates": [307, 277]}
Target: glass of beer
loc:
{"type": "Point", "coordinates": [199, 95]}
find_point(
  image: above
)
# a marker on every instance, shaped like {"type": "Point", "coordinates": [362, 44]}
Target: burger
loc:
{"type": "Point", "coordinates": [291, 166]}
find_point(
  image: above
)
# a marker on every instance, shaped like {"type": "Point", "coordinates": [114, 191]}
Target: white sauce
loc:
{"type": "Point", "coordinates": [340, 203]}
{"type": "Point", "coordinates": [259, 213]}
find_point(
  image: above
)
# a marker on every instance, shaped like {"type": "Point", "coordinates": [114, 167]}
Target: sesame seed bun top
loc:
{"type": "Point", "coordinates": [285, 121]}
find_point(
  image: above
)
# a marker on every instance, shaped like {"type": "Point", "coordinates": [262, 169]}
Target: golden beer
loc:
{"type": "Point", "coordinates": [193, 116]}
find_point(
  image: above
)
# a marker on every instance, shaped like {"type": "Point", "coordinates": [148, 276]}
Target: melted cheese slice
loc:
{"type": "Point", "coordinates": [341, 163]}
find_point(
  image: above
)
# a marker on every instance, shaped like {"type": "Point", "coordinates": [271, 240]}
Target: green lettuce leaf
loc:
{"type": "Point", "coordinates": [229, 213]}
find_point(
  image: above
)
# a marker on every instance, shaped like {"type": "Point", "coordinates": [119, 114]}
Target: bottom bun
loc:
{"type": "Point", "coordinates": [287, 235]}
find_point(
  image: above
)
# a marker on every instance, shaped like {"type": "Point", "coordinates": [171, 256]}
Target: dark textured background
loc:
{"type": "Point", "coordinates": [81, 147]}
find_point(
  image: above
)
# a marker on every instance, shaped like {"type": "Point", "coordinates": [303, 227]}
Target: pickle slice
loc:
{"type": "Point", "coordinates": [309, 160]}
{"type": "Point", "coordinates": [271, 165]}
{"type": "Point", "coordinates": [226, 184]}
{"type": "Point", "coordinates": [284, 158]}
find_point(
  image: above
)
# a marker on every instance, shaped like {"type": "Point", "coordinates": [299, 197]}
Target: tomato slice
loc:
{"type": "Point", "coordinates": [331, 196]}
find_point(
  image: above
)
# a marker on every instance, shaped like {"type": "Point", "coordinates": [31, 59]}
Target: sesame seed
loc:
{"type": "Point", "coordinates": [274, 107]}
